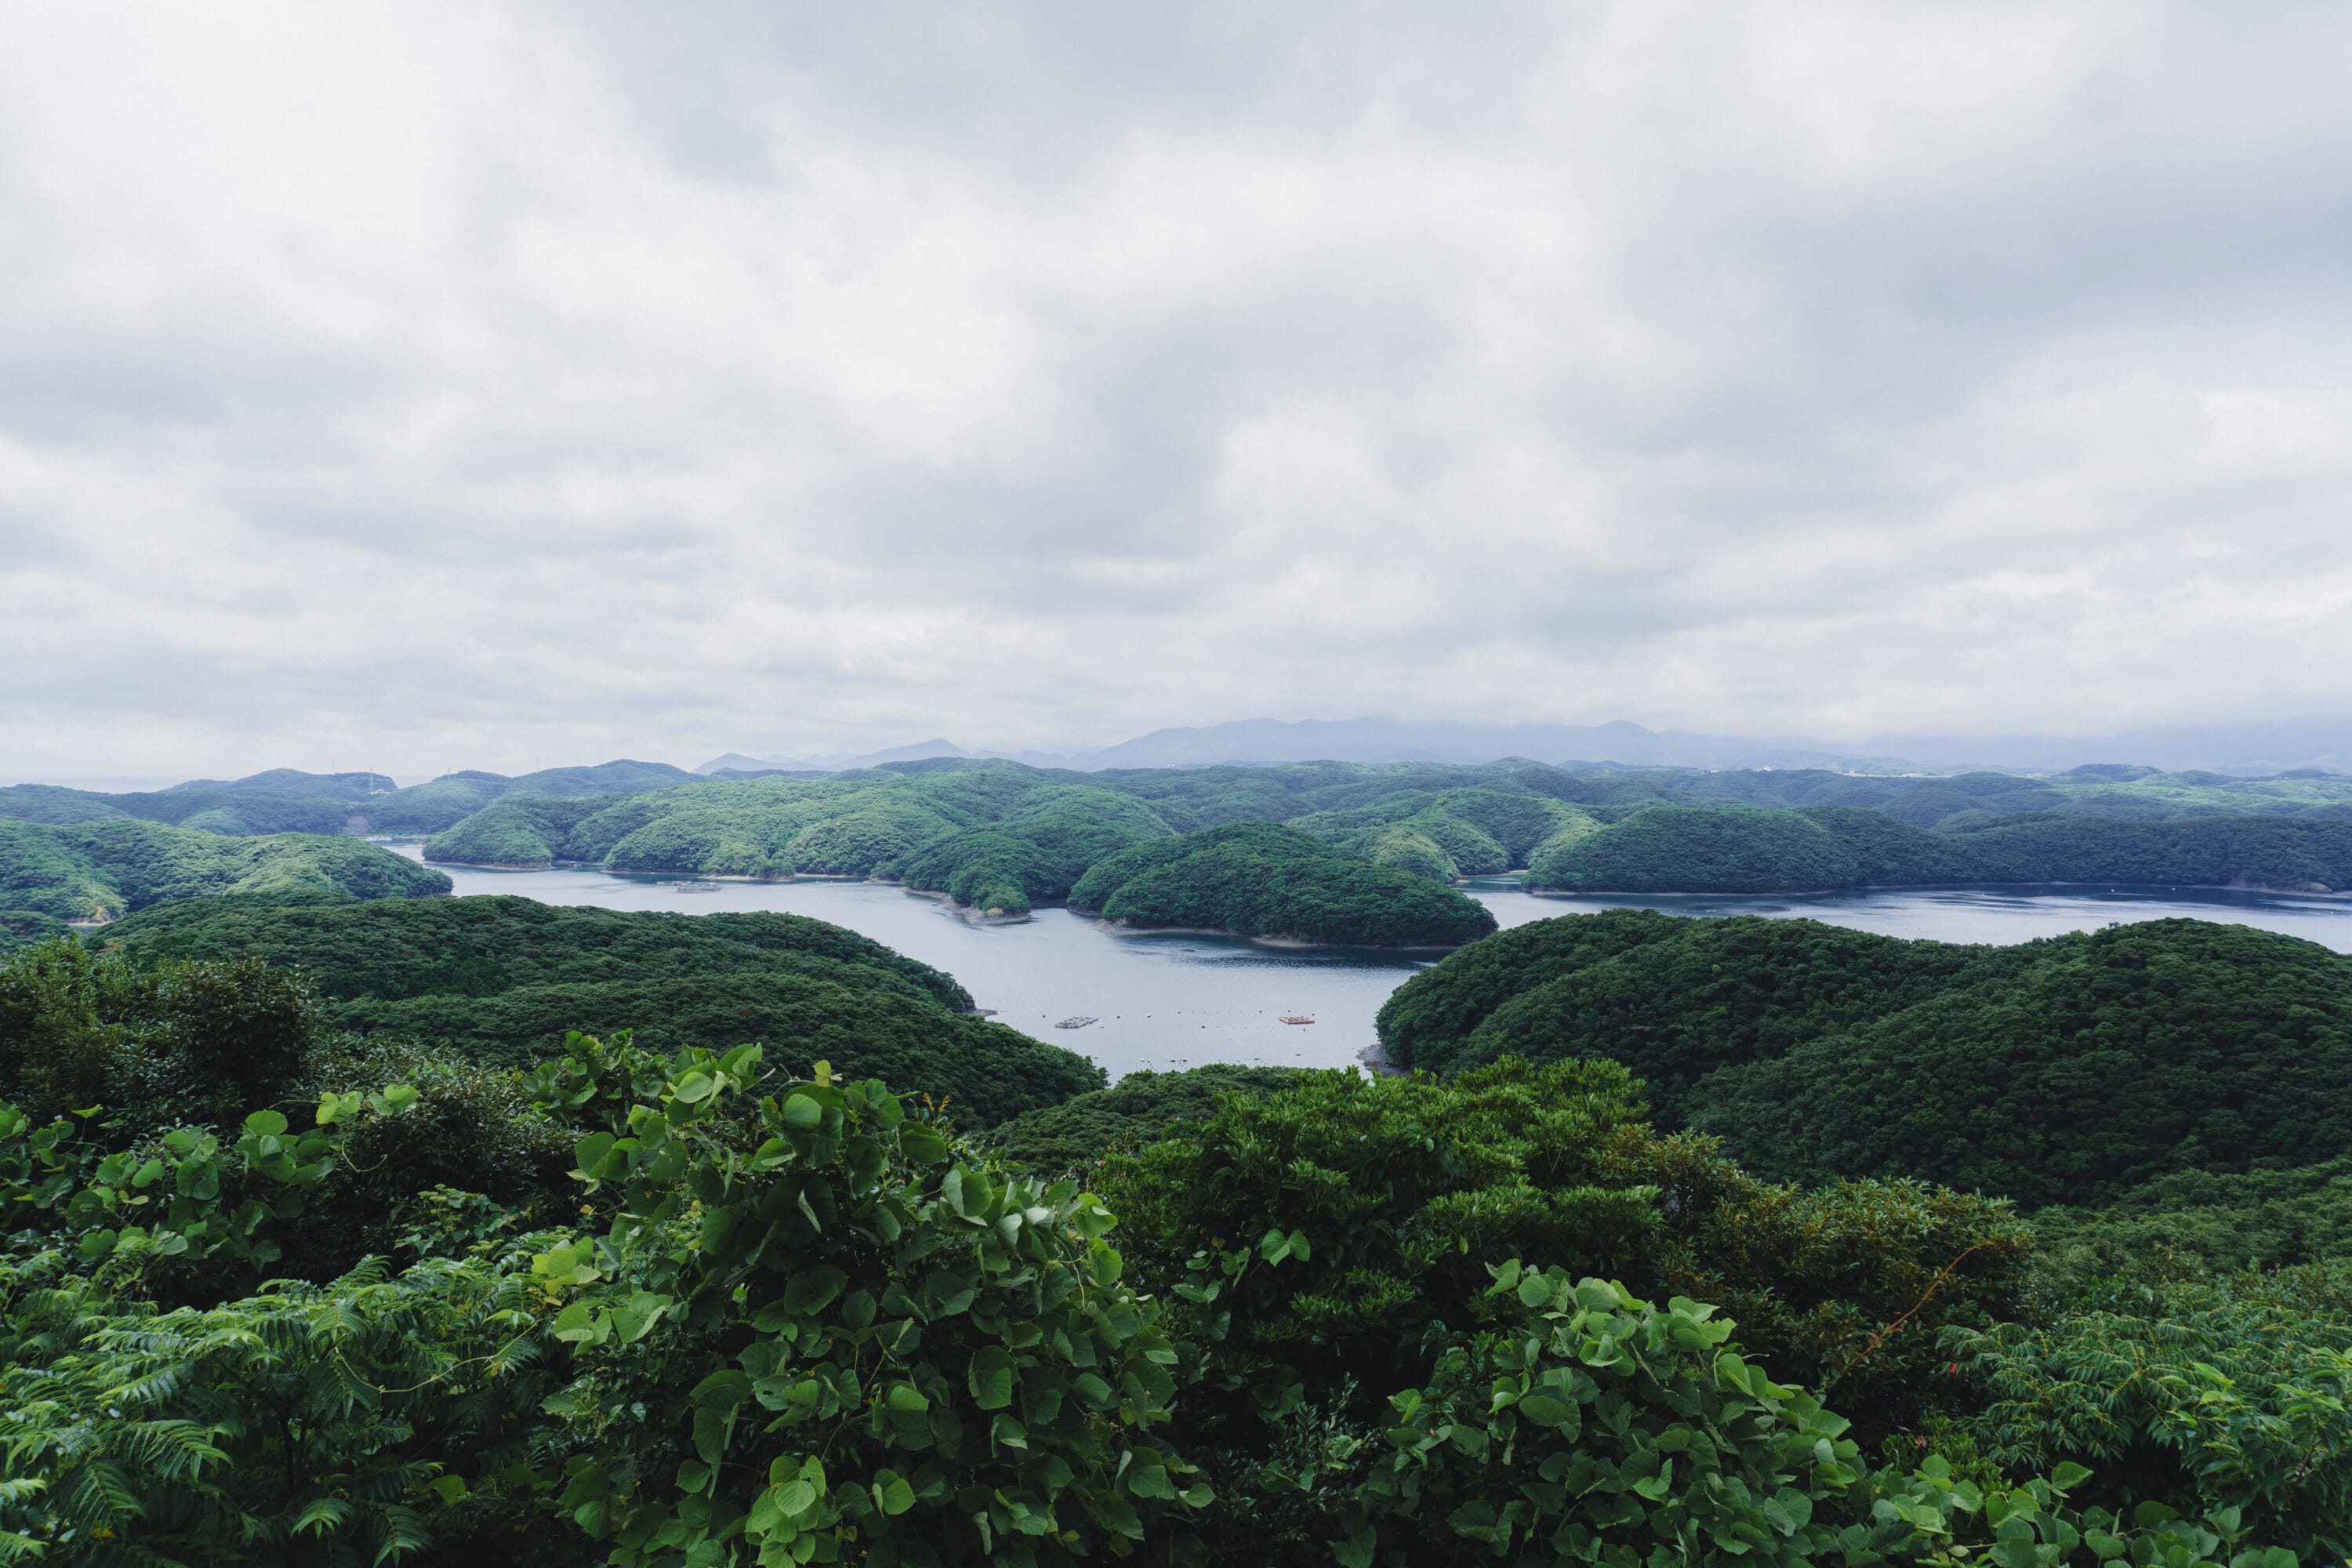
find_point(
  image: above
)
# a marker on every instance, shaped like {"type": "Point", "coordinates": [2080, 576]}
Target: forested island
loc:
{"type": "Point", "coordinates": [1261, 880]}
{"type": "Point", "coordinates": [99, 870]}
{"type": "Point", "coordinates": [1687, 1241]}
{"type": "Point", "coordinates": [1000, 837]}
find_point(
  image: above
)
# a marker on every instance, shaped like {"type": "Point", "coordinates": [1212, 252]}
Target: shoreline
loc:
{"type": "Point", "coordinates": [964, 912]}
{"type": "Point", "coordinates": [1120, 927]}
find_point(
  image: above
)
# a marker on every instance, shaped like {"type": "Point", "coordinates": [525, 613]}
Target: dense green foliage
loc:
{"type": "Point", "coordinates": [483, 944]}
{"type": "Point", "coordinates": [521, 831]}
{"type": "Point", "coordinates": [2201, 1396]}
{"type": "Point", "coordinates": [1081, 1131]}
{"type": "Point", "coordinates": [343, 1419]}
{"type": "Point", "coordinates": [995, 835]}
{"type": "Point", "coordinates": [503, 980]}
{"type": "Point", "coordinates": [100, 871]}
{"type": "Point", "coordinates": [1386, 1195]}
{"type": "Point", "coordinates": [1594, 1393]}
{"type": "Point", "coordinates": [23, 928]}
{"type": "Point", "coordinates": [1679, 848]}
{"type": "Point", "coordinates": [2209, 1222]}
{"type": "Point", "coordinates": [1260, 880]}
{"type": "Point", "coordinates": [1454, 834]}
{"type": "Point", "coordinates": [2098, 1063]}
{"type": "Point", "coordinates": [1671, 998]}
{"type": "Point", "coordinates": [284, 800]}
{"type": "Point", "coordinates": [2067, 1070]}
{"type": "Point", "coordinates": [869, 1334]}
{"type": "Point", "coordinates": [693, 1305]}
{"type": "Point", "coordinates": [1036, 856]}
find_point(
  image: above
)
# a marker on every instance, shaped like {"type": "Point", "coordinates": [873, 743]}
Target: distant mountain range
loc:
{"type": "Point", "coordinates": [2235, 749]}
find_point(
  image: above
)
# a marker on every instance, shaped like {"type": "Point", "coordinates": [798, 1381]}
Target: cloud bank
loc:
{"type": "Point", "coordinates": [439, 386]}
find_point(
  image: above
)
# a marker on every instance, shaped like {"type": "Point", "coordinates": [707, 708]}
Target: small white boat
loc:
{"type": "Point", "coordinates": [1076, 1023]}
{"type": "Point", "coordinates": [1296, 1018]}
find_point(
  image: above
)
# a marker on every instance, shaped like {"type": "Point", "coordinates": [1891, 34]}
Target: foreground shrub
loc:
{"type": "Point", "coordinates": [808, 1323]}
{"type": "Point", "coordinates": [355, 1422]}
{"type": "Point", "coordinates": [2203, 1395]}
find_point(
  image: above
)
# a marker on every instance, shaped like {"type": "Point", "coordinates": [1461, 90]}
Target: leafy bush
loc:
{"type": "Point", "coordinates": [1329, 1226]}
{"type": "Point", "coordinates": [360, 1421]}
{"type": "Point", "coordinates": [1592, 1427]}
{"type": "Point", "coordinates": [854, 1333]}
{"type": "Point", "coordinates": [2202, 1396]}
{"type": "Point", "coordinates": [191, 1043]}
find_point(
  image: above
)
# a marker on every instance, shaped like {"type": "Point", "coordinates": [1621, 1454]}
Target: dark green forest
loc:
{"type": "Point", "coordinates": [1676, 848]}
{"type": "Point", "coordinates": [1266, 881]}
{"type": "Point", "coordinates": [2070, 1069]}
{"type": "Point", "coordinates": [286, 800]}
{"type": "Point", "coordinates": [99, 870]}
{"type": "Point", "coordinates": [501, 981]}
{"type": "Point", "coordinates": [997, 834]}
{"type": "Point", "coordinates": [1574, 826]}
{"type": "Point", "coordinates": [325, 1250]}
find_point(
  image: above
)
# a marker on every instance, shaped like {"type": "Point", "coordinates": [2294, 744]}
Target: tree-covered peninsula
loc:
{"type": "Point", "coordinates": [100, 871]}
{"type": "Point", "coordinates": [2062, 1070]}
{"type": "Point", "coordinates": [286, 800]}
{"type": "Point", "coordinates": [1261, 880]}
{"type": "Point", "coordinates": [502, 979]}
{"type": "Point", "coordinates": [997, 834]}
{"type": "Point", "coordinates": [1666, 849]}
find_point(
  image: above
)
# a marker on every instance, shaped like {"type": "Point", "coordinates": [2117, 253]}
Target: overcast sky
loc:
{"type": "Point", "coordinates": [482, 385]}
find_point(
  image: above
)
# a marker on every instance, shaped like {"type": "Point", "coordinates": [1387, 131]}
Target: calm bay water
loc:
{"type": "Point", "coordinates": [1172, 1000]}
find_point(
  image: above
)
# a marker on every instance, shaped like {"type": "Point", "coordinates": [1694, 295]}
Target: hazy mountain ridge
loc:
{"type": "Point", "coordinates": [2241, 749]}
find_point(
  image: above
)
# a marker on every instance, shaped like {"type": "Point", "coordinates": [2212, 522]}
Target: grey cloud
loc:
{"type": "Point", "coordinates": [611, 379]}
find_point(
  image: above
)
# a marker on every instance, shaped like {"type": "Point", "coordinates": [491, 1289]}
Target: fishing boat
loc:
{"type": "Point", "coordinates": [1074, 1023]}
{"type": "Point", "coordinates": [1296, 1018]}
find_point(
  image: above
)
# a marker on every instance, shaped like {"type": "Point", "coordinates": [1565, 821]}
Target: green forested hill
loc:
{"type": "Point", "coordinates": [1038, 853]}
{"type": "Point", "coordinates": [502, 979]}
{"type": "Point", "coordinates": [2096, 1064]}
{"type": "Point", "coordinates": [285, 800]}
{"type": "Point", "coordinates": [1680, 848]}
{"type": "Point", "coordinates": [102, 870]}
{"type": "Point", "coordinates": [977, 829]}
{"type": "Point", "coordinates": [853, 825]}
{"type": "Point", "coordinates": [483, 944]}
{"type": "Point", "coordinates": [2070, 1069]}
{"type": "Point", "coordinates": [1262, 880]}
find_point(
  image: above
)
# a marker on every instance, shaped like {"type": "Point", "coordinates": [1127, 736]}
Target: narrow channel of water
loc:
{"type": "Point", "coordinates": [1172, 1001]}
